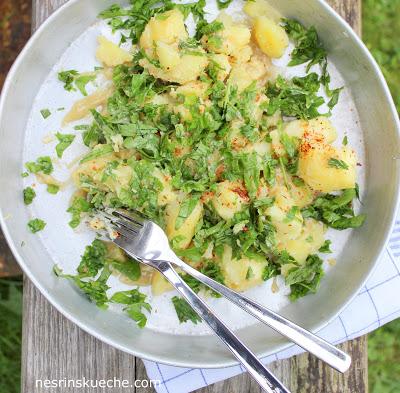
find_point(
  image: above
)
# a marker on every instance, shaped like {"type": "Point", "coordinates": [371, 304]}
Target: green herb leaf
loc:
{"type": "Point", "coordinates": [98, 151]}
{"type": "Point", "coordinates": [53, 189]}
{"type": "Point", "coordinates": [42, 164]}
{"type": "Point", "coordinates": [184, 311]}
{"type": "Point", "coordinates": [129, 269]}
{"type": "Point", "coordinates": [78, 206]}
{"type": "Point", "coordinates": [135, 302]}
{"type": "Point", "coordinates": [338, 164]}
{"type": "Point", "coordinates": [65, 140]}
{"type": "Point", "coordinates": [29, 195]}
{"type": "Point", "coordinates": [45, 113]}
{"type": "Point", "coordinates": [36, 225]}
{"type": "Point", "coordinates": [325, 248]}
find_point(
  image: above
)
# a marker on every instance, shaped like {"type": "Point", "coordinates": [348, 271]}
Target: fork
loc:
{"type": "Point", "coordinates": [147, 242]}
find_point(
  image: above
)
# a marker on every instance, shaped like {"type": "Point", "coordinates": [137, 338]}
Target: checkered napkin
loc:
{"type": "Point", "coordinates": [376, 304]}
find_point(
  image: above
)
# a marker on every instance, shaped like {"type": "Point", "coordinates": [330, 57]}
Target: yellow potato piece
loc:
{"type": "Point", "coordinates": [271, 38]}
{"type": "Point", "coordinates": [166, 195]}
{"type": "Point", "coordinates": [315, 168]}
{"type": "Point", "coordinates": [308, 243]}
{"type": "Point", "coordinates": [111, 54]}
{"type": "Point", "coordinates": [320, 126]}
{"type": "Point", "coordinates": [261, 8]}
{"type": "Point", "coordinates": [229, 199]}
{"type": "Point", "coordinates": [244, 273]}
{"type": "Point", "coordinates": [82, 107]}
{"type": "Point", "coordinates": [168, 28]}
{"type": "Point", "coordinates": [159, 284]}
{"type": "Point", "coordinates": [168, 55]}
{"type": "Point", "coordinates": [187, 229]}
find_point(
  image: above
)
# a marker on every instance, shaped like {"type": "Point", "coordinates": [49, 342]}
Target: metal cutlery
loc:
{"type": "Point", "coordinates": [146, 241]}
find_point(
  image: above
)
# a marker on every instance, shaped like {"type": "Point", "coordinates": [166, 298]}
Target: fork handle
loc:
{"type": "Point", "coordinates": [325, 351]}
{"type": "Point", "coordinates": [256, 369]}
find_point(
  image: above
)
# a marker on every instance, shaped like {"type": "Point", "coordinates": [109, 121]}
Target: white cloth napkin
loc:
{"type": "Point", "coordinates": [376, 304]}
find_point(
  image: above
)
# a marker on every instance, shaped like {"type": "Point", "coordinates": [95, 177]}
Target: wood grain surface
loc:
{"type": "Point", "coordinates": [54, 348]}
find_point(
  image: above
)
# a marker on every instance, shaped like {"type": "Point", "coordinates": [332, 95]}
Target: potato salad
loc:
{"type": "Point", "coordinates": [206, 136]}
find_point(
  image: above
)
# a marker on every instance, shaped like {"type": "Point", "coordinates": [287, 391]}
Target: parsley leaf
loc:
{"type": "Point", "coordinates": [29, 194]}
{"type": "Point", "coordinates": [135, 302]}
{"type": "Point", "coordinates": [335, 211]}
{"type": "Point", "coordinates": [53, 188]}
{"type": "Point", "coordinates": [93, 259]}
{"type": "Point", "coordinates": [295, 98]}
{"type": "Point", "coordinates": [338, 164]}
{"type": "Point", "coordinates": [223, 4]}
{"type": "Point", "coordinates": [129, 269]}
{"type": "Point", "coordinates": [78, 206]}
{"type": "Point", "coordinates": [325, 248]}
{"type": "Point", "coordinates": [64, 141]}
{"type": "Point", "coordinates": [45, 113]}
{"type": "Point", "coordinates": [184, 311]}
{"type": "Point", "coordinates": [306, 278]}
{"type": "Point", "coordinates": [36, 225]}
{"type": "Point", "coordinates": [67, 77]}
{"type": "Point", "coordinates": [42, 164]}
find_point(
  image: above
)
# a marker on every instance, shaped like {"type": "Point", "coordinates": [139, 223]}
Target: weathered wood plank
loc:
{"type": "Point", "coordinates": [56, 349]}
{"type": "Point", "coordinates": [53, 347]}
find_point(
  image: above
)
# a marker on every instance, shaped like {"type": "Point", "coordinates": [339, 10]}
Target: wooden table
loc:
{"type": "Point", "coordinates": [54, 348]}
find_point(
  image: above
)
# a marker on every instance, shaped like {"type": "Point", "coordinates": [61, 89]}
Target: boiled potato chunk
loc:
{"type": "Point", "coordinates": [229, 199]}
{"type": "Point", "coordinates": [187, 70]}
{"type": "Point", "coordinates": [224, 66]}
{"type": "Point", "coordinates": [244, 273]}
{"type": "Point", "coordinates": [187, 229]}
{"type": "Point", "coordinates": [311, 129]}
{"type": "Point", "coordinates": [159, 284]}
{"type": "Point", "coordinates": [271, 38]}
{"type": "Point", "coordinates": [167, 55]}
{"type": "Point", "coordinates": [232, 40]}
{"type": "Point", "coordinates": [166, 195]}
{"type": "Point", "coordinates": [309, 242]}
{"type": "Point", "coordinates": [257, 68]}
{"type": "Point", "coordinates": [261, 8]}
{"type": "Point", "coordinates": [111, 54]}
{"type": "Point", "coordinates": [316, 169]}
{"type": "Point", "coordinates": [286, 229]}
{"type": "Point", "coordinates": [196, 89]}
{"type": "Point", "coordinates": [168, 28]}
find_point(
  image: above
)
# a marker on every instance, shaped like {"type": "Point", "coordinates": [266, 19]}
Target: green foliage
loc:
{"type": "Point", "coordinates": [184, 311]}
{"type": "Point", "coordinates": [381, 32]}
{"type": "Point", "coordinates": [10, 334]}
{"type": "Point", "coordinates": [384, 359]}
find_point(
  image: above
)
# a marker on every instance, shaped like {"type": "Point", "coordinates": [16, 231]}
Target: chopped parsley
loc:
{"type": "Point", "coordinates": [184, 311]}
{"type": "Point", "coordinates": [42, 164]}
{"type": "Point", "coordinates": [45, 113]}
{"type": "Point", "coordinates": [338, 164]}
{"type": "Point", "coordinates": [73, 80]}
{"type": "Point", "coordinates": [36, 225]}
{"type": "Point", "coordinates": [29, 194]}
{"type": "Point", "coordinates": [326, 247]}
{"type": "Point", "coordinates": [64, 140]}
{"type": "Point", "coordinates": [305, 278]}
{"type": "Point", "coordinates": [135, 303]}
{"type": "Point", "coordinates": [336, 211]}
{"type": "Point", "coordinates": [53, 189]}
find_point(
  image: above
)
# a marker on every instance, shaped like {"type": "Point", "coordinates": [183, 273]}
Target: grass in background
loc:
{"type": "Point", "coordinates": [381, 32]}
{"type": "Point", "coordinates": [10, 334]}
